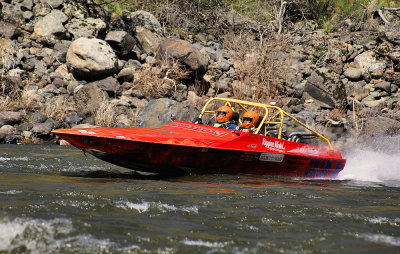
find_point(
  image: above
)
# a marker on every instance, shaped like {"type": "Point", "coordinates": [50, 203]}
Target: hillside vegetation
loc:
{"type": "Point", "coordinates": [333, 64]}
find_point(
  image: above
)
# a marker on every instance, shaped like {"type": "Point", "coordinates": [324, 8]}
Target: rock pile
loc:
{"type": "Point", "coordinates": [72, 66]}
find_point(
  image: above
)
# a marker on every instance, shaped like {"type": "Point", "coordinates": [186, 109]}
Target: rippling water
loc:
{"type": "Point", "coordinates": [55, 200]}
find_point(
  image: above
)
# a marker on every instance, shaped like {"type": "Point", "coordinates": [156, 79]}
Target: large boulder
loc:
{"type": "Point", "coordinates": [185, 53]}
{"type": "Point", "coordinates": [158, 112]}
{"type": "Point", "coordinates": [52, 25]}
{"type": "Point", "coordinates": [91, 59]}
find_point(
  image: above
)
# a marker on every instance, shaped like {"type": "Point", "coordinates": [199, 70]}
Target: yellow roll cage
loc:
{"type": "Point", "coordinates": [275, 119]}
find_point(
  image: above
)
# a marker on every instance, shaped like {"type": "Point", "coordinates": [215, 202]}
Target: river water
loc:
{"type": "Point", "coordinates": [53, 199]}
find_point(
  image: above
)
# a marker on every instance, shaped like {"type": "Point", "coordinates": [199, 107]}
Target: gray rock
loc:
{"type": "Point", "coordinates": [121, 42]}
{"type": "Point", "coordinates": [38, 117]}
{"type": "Point", "coordinates": [126, 75]}
{"type": "Point", "coordinates": [12, 14]}
{"type": "Point", "coordinates": [10, 117]}
{"type": "Point", "coordinates": [60, 50]}
{"type": "Point", "coordinates": [24, 127]}
{"type": "Point", "coordinates": [185, 53]}
{"type": "Point", "coordinates": [59, 82]}
{"type": "Point", "coordinates": [146, 20]}
{"type": "Point", "coordinates": [326, 86]}
{"type": "Point", "coordinates": [91, 59]}
{"type": "Point", "coordinates": [40, 69]}
{"type": "Point", "coordinates": [71, 86]}
{"type": "Point", "coordinates": [158, 112]}
{"type": "Point", "coordinates": [393, 34]}
{"type": "Point", "coordinates": [86, 28]}
{"type": "Point", "coordinates": [72, 120]}
{"type": "Point", "coordinates": [393, 77]}
{"type": "Point", "coordinates": [51, 25]}
{"type": "Point", "coordinates": [15, 73]}
{"type": "Point", "coordinates": [29, 64]}
{"type": "Point", "coordinates": [148, 41]}
{"type": "Point", "coordinates": [110, 85]}
{"type": "Point", "coordinates": [224, 65]}
{"type": "Point", "coordinates": [53, 4]}
{"type": "Point", "coordinates": [89, 98]}
{"type": "Point", "coordinates": [222, 85]}
{"type": "Point", "coordinates": [7, 130]}
{"type": "Point", "coordinates": [353, 73]}
{"type": "Point", "coordinates": [26, 5]}
{"type": "Point", "coordinates": [381, 126]}
{"type": "Point", "coordinates": [385, 86]}
{"type": "Point", "coordinates": [10, 84]}
{"type": "Point", "coordinates": [27, 15]}
{"type": "Point", "coordinates": [42, 129]}
{"type": "Point", "coordinates": [9, 31]}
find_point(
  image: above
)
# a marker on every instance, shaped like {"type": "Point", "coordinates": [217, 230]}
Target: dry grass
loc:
{"type": "Point", "coordinates": [336, 114]}
{"type": "Point", "coordinates": [158, 82]}
{"type": "Point", "coordinates": [256, 66]}
{"type": "Point", "coordinates": [9, 102]}
{"type": "Point", "coordinates": [105, 115]}
{"type": "Point", "coordinates": [57, 108]}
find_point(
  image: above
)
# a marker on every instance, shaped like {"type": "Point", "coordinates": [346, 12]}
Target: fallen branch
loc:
{"type": "Point", "coordinates": [382, 17]}
{"type": "Point", "coordinates": [390, 9]}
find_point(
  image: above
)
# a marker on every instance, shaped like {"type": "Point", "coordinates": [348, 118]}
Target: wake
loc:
{"type": "Point", "coordinates": [376, 161]}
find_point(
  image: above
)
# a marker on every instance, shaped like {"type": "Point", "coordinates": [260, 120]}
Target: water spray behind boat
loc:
{"type": "Point", "coordinates": [374, 160]}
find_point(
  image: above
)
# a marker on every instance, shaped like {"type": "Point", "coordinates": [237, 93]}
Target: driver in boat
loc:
{"type": "Point", "coordinates": [250, 121]}
{"type": "Point", "coordinates": [224, 118]}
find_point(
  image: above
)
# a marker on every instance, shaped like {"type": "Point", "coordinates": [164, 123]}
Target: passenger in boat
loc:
{"type": "Point", "coordinates": [224, 118]}
{"type": "Point", "coordinates": [250, 121]}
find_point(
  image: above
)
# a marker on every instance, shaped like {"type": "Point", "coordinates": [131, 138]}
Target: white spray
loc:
{"type": "Point", "coordinates": [374, 161]}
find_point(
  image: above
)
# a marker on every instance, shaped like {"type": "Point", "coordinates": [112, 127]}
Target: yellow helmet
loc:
{"type": "Point", "coordinates": [224, 114]}
{"type": "Point", "coordinates": [250, 119]}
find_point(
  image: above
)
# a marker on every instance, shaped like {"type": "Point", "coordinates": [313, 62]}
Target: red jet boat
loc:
{"type": "Point", "coordinates": [276, 147]}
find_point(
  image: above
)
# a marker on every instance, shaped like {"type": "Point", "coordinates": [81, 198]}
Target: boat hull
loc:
{"type": "Point", "coordinates": [261, 157]}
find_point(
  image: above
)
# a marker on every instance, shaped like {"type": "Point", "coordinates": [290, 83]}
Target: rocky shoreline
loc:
{"type": "Point", "coordinates": [63, 67]}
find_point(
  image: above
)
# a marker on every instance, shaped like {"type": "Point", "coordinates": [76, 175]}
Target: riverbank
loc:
{"type": "Point", "coordinates": [66, 64]}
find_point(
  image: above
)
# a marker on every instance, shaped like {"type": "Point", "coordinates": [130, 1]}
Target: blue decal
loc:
{"type": "Point", "coordinates": [314, 165]}
{"type": "Point", "coordinates": [325, 165]}
{"type": "Point", "coordinates": [337, 169]}
{"type": "Point", "coordinates": [320, 168]}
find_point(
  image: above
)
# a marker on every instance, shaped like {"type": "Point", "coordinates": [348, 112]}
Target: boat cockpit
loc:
{"type": "Point", "coordinates": [274, 121]}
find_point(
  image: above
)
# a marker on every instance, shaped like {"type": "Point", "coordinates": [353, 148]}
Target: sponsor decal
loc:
{"type": "Point", "coordinates": [87, 132]}
{"type": "Point", "coordinates": [306, 150]}
{"type": "Point", "coordinates": [198, 128]}
{"type": "Point", "coordinates": [252, 146]}
{"type": "Point", "coordinates": [274, 157]}
{"type": "Point", "coordinates": [273, 145]}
